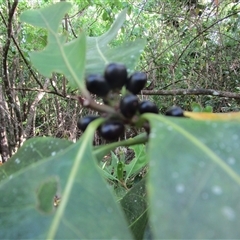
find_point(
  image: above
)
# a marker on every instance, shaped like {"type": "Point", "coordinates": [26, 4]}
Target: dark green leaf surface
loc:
{"type": "Point", "coordinates": [194, 182]}
{"type": "Point", "coordinates": [33, 150]}
{"type": "Point", "coordinates": [135, 206]}
{"type": "Point", "coordinates": [25, 212]}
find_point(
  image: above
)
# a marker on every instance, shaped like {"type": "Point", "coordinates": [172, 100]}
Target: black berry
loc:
{"type": "Point", "coordinates": [129, 105]}
{"type": "Point", "coordinates": [97, 84]}
{"type": "Point", "coordinates": [175, 112]}
{"type": "Point", "coordinates": [147, 107]}
{"type": "Point", "coordinates": [136, 82]}
{"type": "Point", "coordinates": [83, 122]}
{"type": "Point", "coordinates": [111, 130]}
{"type": "Point", "coordinates": [116, 75]}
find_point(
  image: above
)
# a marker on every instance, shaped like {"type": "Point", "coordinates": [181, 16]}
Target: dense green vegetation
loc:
{"type": "Point", "coordinates": [113, 165]}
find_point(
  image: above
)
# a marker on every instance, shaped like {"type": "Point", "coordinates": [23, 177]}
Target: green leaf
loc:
{"type": "Point", "coordinates": [33, 150]}
{"type": "Point", "coordinates": [87, 208]}
{"type": "Point", "coordinates": [99, 53]}
{"type": "Point", "coordinates": [194, 182]}
{"type": "Point", "coordinates": [208, 109]}
{"type": "Point", "coordinates": [138, 162]}
{"type": "Point", "coordinates": [135, 206]}
{"type": "Point", "coordinates": [196, 107]}
{"type": "Point", "coordinates": [58, 56]}
{"type": "Point", "coordinates": [120, 168]}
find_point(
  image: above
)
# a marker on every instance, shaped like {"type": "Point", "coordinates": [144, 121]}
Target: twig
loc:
{"type": "Point", "coordinates": [212, 92]}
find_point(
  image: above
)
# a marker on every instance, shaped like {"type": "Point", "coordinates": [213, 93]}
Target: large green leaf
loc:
{"type": "Point", "coordinates": [58, 56]}
{"type": "Point", "coordinates": [99, 53]}
{"type": "Point", "coordinates": [87, 209]}
{"type": "Point", "coordinates": [33, 150]}
{"type": "Point", "coordinates": [194, 182]}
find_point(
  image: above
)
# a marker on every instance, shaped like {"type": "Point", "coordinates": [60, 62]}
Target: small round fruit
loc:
{"type": "Point", "coordinates": [116, 75]}
{"type": "Point", "coordinates": [83, 122]}
{"type": "Point", "coordinates": [129, 105]}
{"type": "Point", "coordinates": [111, 130]}
{"type": "Point", "coordinates": [147, 107]}
{"type": "Point", "coordinates": [97, 84]}
{"type": "Point", "coordinates": [136, 82]}
{"type": "Point", "coordinates": [175, 112]}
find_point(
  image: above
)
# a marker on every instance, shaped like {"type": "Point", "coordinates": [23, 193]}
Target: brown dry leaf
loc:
{"type": "Point", "coordinates": [233, 116]}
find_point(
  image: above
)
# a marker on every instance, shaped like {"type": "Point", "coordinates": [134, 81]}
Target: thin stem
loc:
{"type": "Point", "coordinates": [100, 151]}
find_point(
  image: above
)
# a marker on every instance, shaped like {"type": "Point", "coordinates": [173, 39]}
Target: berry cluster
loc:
{"type": "Point", "coordinates": [108, 87]}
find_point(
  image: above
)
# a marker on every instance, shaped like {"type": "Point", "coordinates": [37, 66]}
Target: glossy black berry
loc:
{"type": "Point", "coordinates": [116, 75]}
{"type": "Point", "coordinates": [175, 112]}
{"type": "Point", "coordinates": [111, 130]}
{"type": "Point", "coordinates": [97, 84]}
{"type": "Point", "coordinates": [83, 122]}
{"type": "Point", "coordinates": [136, 82]}
{"type": "Point", "coordinates": [147, 107]}
{"type": "Point", "coordinates": [129, 105]}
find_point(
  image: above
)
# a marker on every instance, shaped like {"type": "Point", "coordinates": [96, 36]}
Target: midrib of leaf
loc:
{"type": "Point", "coordinates": [200, 145]}
{"type": "Point", "coordinates": [135, 221]}
{"type": "Point", "coordinates": [66, 194]}
{"type": "Point", "coordinates": [85, 140]}
{"type": "Point", "coordinates": [55, 35]}
{"type": "Point", "coordinates": [100, 52]}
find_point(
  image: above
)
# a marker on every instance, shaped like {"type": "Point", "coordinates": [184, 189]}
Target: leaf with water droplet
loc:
{"type": "Point", "coordinates": [27, 214]}
{"type": "Point", "coordinates": [135, 206]}
{"type": "Point", "coordinates": [32, 151]}
{"type": "Point", "coordinates": [193, 187]}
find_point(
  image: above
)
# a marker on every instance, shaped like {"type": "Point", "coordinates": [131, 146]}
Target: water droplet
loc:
{"type": "Point", "coordinates": [109, 210]}
{"type": "Point", "coordinates": [217, 190]}
{"type": "Point", "coordinates": [152, 163]}
{"type": "Point", "coordinates": [180, 188]}
{"type": "Point", "coordinates": [231, 160]}
{"type": "Point", "coordinates": [222, 146]}
{"type": "Point", "coordinates": [214, 125]}
{"type": "Point", "coordinates": [53, 153]}
{"type": "Point", "coordinates": [152, 135]}
{"type": "Point", "coordinates": [175, 175]}
{"type": "Point", "coordinates": [229, 213]}
{"type": "Point", "coordinates": [14, 190]}
{"type": "Point", "coordinates": [229, 149]}
{"type": "Point", "coordinates": [235, 137]}
{"type": "Point", "coordinates": [201, 164]}
{"type": "Point", "coordinates": [204, 196]}
{"type": "Point", "coordinates": [17, 161]}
